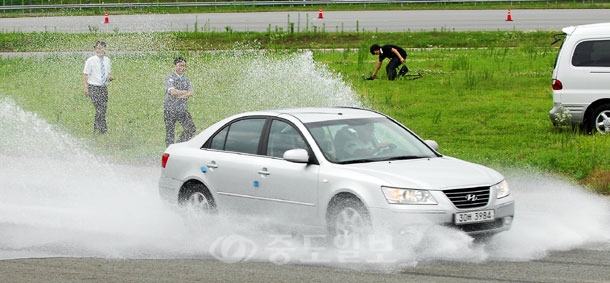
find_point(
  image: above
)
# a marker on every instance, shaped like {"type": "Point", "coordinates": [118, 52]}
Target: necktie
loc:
{"type": "Point", "coordinates": [103, 69]}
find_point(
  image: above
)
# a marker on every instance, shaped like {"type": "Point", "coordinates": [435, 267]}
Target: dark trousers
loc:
{"type": "Point", "coordinates": [391, 68]}
{"type": "Point", "coordinates": [185, 119]}
{"type": "Point", "coordinates": [99, 97]}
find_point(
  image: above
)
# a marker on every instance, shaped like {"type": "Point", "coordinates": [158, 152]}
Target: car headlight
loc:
{"type": "Point", "coordinates": [408, 196]}
{"type": "Point", "coordinates": [502, 189]}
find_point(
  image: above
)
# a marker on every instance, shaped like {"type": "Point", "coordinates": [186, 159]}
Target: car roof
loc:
{"type": "Point", "coordinates": [317, 114]}
{"type": "Point", "coordinates": [590, 29]}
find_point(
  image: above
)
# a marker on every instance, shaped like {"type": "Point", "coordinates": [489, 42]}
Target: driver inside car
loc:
{"type": "Point", "coordinates": [363, 142]}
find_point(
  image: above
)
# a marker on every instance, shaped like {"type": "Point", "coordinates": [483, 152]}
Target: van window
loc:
{"type": "Point", "coordinates": [595, 53]}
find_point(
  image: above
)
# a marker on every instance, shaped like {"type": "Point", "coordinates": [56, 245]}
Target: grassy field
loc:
{"type": "Point", "coordinates": [484, 96]}
{"type": "Point", "coordinates": [487, 105]}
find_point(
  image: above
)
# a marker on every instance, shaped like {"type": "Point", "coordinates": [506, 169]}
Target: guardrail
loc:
{"type": "Point", "coordinates": [238, 3]}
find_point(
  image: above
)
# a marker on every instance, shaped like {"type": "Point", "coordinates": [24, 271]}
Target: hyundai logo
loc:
{"type": "Point", "coordinates": [471, 197]}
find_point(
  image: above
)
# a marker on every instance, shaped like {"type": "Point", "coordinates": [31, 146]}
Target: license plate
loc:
{"type": "Point", "coordinates": [474, 216]}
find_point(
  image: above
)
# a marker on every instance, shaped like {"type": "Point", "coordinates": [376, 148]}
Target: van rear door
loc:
{"type": "Point", "coordinates": [584, 74]}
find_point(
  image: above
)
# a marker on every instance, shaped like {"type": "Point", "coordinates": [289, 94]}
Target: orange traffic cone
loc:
{"type": "Point", "coordinates": [106, 18]}
{"type": "Point", "coordinates": [509, 17]}
{"type": "Point", "coordinates": [320, 16]}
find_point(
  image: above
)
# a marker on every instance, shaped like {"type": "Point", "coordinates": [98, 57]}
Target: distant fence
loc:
{"type": "Point", "coordinates": [80, 4]}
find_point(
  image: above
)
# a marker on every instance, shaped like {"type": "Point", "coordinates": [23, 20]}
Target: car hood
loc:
{"type": "Point", "coordinates": [427, 173]}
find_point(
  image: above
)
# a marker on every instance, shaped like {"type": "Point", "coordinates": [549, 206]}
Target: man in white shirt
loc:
{"type": "Point", "coordinates": [96, 75]}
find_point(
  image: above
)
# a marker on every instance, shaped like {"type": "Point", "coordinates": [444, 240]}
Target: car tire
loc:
{"type": "Point", "coordinates": [197, 197]}
{"type": "Point", "coordinates": [348, 224]}
{"type": "Point", "coordinates": [599, 121]}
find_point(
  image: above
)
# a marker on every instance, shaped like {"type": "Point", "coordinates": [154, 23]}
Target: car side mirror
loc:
{"type": "Point", "coordinates": [297, 155]}
{"type": "Point", "coordinates": [432, 144]}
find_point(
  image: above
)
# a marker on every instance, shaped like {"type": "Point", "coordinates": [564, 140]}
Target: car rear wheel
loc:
{"type": "Point", "coordinates": [349, 223]}
{"type": "Point", "coordinates": [197, 198]}
{"type": "Point", "coordinates": [600, 119]}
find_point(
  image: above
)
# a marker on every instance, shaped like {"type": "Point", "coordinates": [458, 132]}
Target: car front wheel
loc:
{"type": "Point", "coordinates": [349, 223]}
{"type": "Point", "coordinates": [600, 119]}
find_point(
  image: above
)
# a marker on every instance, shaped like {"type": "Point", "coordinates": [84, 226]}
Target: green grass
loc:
{"type": "Point", "coordinates": [483, 98]}
{"type": "Point", "coordinates": [280, 40]}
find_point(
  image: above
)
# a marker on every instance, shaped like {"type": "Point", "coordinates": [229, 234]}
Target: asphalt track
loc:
{"type": "Point", "coordinates": [570, 266]}
{"type": "Point", "coordinates": [389, 21]}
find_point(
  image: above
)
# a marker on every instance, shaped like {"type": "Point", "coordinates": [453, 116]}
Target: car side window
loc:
{"type": "Point", "coordinates": [241, 136]}
{"type": "Point", "coordinates": [218, 141]}
{"type": "Point", "coordinates": [283, 137]}
{"type": "Point", "coordinates": [594, 53]}
{"type": "Point", "coordinates": [323, 136]}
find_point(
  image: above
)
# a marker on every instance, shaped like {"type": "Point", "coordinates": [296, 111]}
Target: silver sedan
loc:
{"type": "Point", "coordinates": [346, 170]}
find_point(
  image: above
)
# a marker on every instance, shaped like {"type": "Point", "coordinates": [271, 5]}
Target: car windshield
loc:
{"type": "Point", "coordinates": [367, 140]}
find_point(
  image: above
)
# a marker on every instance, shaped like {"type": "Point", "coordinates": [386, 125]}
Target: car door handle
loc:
{"type": "Point", "coordinates": [212, 165]}
{"type": "Point", "coordinates": [264, 172]}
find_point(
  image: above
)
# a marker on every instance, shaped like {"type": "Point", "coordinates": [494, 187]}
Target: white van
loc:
{"type": "Point", "coordinates": [581, 78]}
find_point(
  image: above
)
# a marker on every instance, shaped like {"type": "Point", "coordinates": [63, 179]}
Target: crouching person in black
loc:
{"type": "Point", "coordinates": [397, 57]}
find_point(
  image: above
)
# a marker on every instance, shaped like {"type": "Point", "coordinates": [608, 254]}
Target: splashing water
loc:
{"type": "Point", "coordinates": [240, 81]}
{"type": "Point", "coordinates": [57, 199]}
{"type": "Point", "coordinates": [302, 83]}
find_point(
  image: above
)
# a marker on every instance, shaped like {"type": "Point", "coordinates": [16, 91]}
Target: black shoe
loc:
{"type": "Point", "coordinates": [403, 71]}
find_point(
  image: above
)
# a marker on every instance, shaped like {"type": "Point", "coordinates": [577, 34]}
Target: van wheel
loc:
{"type": "Point", "coordinates": [599, 120]}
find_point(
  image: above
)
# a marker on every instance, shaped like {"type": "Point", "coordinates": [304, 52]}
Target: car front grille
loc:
{"type": "Point", "coordinates": [469, 197]}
